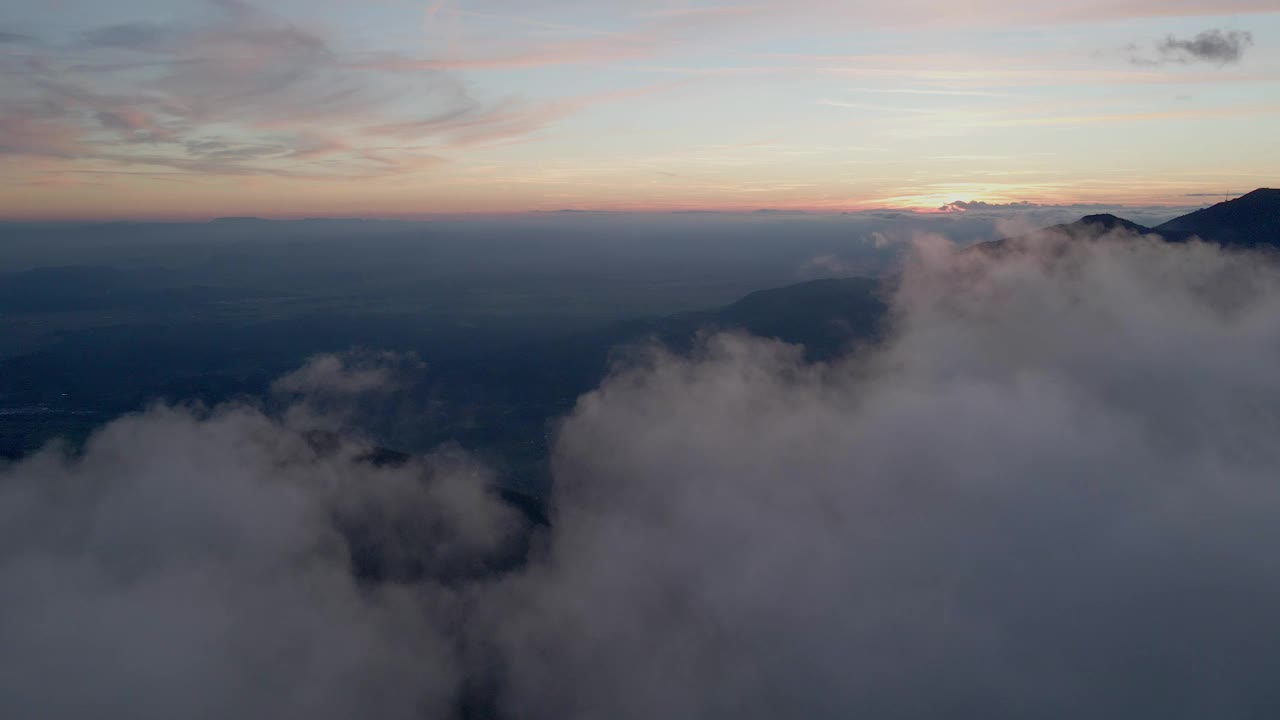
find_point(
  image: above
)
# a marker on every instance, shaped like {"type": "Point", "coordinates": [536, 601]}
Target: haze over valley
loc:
{"type": "Point", "coordinates": [462, 359]}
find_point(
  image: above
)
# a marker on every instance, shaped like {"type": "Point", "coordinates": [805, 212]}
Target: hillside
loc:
{"type": "Point", "coordinates": [1251, 220]}
{"type": "Point", "coordinates": [824, 316]}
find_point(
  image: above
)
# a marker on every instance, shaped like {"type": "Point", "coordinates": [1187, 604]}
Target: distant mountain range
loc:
{"type": "Point", "coordinates": [827, 315]}
{"type": "Point", "coordinates": [1249, 221]}
{"type": "Point", "coordinates": [824, 316]}
{"type": "Point", "coordinates": [114, 339]}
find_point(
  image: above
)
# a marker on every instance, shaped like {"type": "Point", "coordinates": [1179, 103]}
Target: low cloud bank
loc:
{"type": "Point", "coordinates": [1051, 493]}
{"type": "Point", "coordinates": [223, 563]}
{"type": "Point", "coordinates": [1022, 218]}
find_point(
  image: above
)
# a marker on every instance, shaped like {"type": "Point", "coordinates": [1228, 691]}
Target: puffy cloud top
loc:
{"type": "Point", "coordinates": [1051, 492]}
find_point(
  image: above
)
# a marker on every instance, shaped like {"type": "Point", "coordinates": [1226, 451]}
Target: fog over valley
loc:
{"type": "Point", "coordinates": [1028, 477]}
{"type": "Point", "coordinates": [621, 360]}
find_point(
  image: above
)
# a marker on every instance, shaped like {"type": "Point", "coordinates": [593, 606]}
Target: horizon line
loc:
{"type": "Point", "coordinates": [942, 210]}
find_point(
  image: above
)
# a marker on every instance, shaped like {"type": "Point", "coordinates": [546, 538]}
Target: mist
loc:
{"type": "Point", "coordinates": [208, 563]}
{"type": "Point", "coordinates": [1049, 492]}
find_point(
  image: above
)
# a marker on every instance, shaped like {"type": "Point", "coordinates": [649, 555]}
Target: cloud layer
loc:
{"type": "Point", "coordinates": [239, 91]}
{"type": "Point", "coordinates": [222, 563]}
{"type": "Point", "coordinates": [1050, 493]}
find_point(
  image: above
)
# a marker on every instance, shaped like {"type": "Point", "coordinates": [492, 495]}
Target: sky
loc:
{"type": "Point", "coordinates": [406, 108]}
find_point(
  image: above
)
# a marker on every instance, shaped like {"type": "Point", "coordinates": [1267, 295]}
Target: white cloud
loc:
{"type": "Point", "coordinates": [1052, 493]}
{"type": "Point", "coordinates": [352, 373]}
{"type": "Point", "coordinates": [218, 564]}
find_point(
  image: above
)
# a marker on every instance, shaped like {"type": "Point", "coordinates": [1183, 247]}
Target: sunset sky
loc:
{"type": "Point", "coordinates": [403, 108]}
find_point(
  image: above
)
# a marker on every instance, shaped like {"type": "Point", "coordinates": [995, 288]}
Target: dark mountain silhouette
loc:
{"type": "Point", "coordinates": [1251, 220]}
{"type": "Point", "coordinates": [1104, 223]}
{"type": "Point", "coordinates": [1087, 228]}
{"type": "Point", "coordinates": [828, 315]}
{"type": "Point", "coordinates": [825, 316]}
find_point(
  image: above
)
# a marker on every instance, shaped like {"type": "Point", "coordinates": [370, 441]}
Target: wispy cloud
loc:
{"type": "Point", "coordinates": [562, 52]}
{"type": "Point", "coordinates": [876, 108]}
{"type": "Point", "coordinates": [27, 131]}
{"type": "Point", "coordinates": [676, 29]}
{"type": "Point", "coordinates": [654, 33]}
{"type": "Point", "coordinates": [931, 91]}
{"type": "Point", "coordinates": [12, 38]}
{"type": "Point", "coordinates": [476, 124]}
{"type": "Point", "coordinates": [224, 88]}
{"type": "Point", "coordinates": [245, 93]}
{"type": "Point", "coordinates": [1216, 47]}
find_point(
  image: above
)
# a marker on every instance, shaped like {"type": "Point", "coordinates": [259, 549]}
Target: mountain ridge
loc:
{"type": "Point", "coordinates": [1251, 220]}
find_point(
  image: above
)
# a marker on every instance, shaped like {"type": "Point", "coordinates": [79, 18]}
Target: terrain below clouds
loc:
{"type": "Point", "coordinates": [1049, 490]}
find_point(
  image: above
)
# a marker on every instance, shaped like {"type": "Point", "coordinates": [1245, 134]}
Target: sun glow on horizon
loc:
{"type": "Point", "coordinates": [109, 113]}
